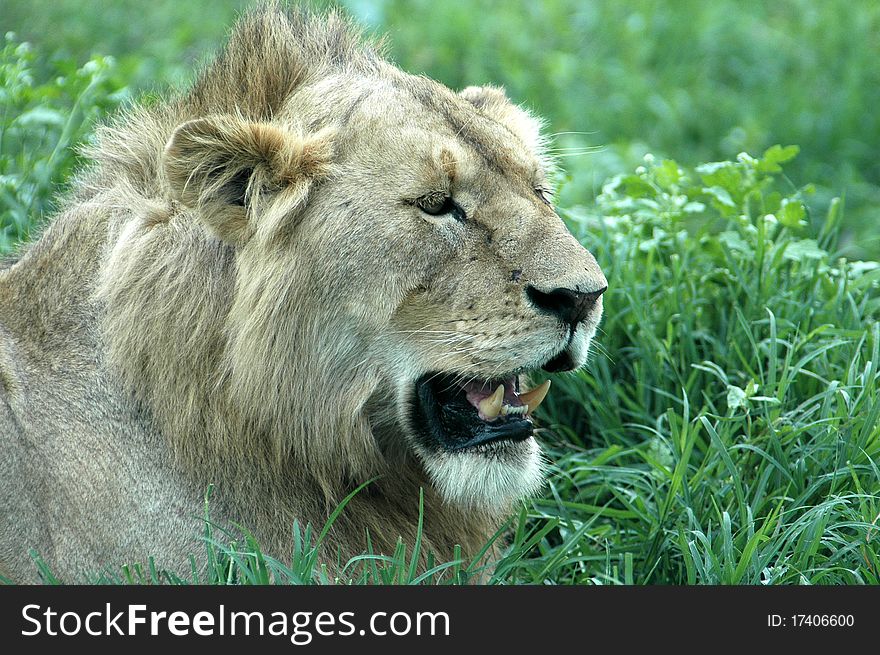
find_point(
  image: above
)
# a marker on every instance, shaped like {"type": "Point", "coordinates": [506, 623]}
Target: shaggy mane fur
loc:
{"type": "Point", "coordinates": [271, 52]}
{"type": "Point", "coordinates": [194, 328]}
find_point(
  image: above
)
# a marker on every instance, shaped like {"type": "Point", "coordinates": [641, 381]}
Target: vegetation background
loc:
{"type": "Point", "coordinates": [727, 429]}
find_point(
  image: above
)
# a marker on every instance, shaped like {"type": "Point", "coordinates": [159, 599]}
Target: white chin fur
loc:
{"type": "Point", "coordinates": [491, 478]}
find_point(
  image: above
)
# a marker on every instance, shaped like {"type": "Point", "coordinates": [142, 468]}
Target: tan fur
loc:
{"type": "Point", "coordinates": [242, 291]}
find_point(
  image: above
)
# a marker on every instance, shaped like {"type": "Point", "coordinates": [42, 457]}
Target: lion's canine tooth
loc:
{"type": "Point", "coordinates": [490, 406]}
{"type": "Point", "coordinates": [536, 396]}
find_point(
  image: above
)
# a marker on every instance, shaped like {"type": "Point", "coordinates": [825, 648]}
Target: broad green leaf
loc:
{"type": "Point", "coordinates": [804, 249]}
{"type": "Point", "coordinates": [725, 175]}
{"type": "Point", "coordinates": [39, 116]}
{"type": "Point", "coordinates": [667, 173]}
{"type": "Point", "coordinates": [721, 195]}
{"type": "Point", "coordinates": [776, 155]}
{"type": "Point", "coordinates": [734, 241]}
{"type": "Point", "coordinates": [791, 213]}
{"type": "Point", "coordinates": [736, 397]}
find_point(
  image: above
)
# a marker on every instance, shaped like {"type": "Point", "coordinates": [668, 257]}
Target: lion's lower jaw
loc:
{"type": "Point", "coordinates": [490, 479]}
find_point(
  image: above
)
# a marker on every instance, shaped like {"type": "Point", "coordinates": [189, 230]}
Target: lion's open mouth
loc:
{"type": "Point", "coordinates": [456, 415]}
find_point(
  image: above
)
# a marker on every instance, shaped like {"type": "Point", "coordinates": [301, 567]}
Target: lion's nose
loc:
{"type": "Point", "coordinates": [571, 306]}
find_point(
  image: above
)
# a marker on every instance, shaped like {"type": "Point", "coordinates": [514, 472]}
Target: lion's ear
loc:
{"type": "Point", "coordinates": [492, 101]}
{"type": "Point", "coordinates": [227, 168]}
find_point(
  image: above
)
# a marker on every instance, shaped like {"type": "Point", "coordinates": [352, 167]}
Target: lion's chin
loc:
{"type": "Point", "coordinates": [490, 478]}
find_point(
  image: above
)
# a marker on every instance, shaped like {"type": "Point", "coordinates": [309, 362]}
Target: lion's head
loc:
{"type": "Point", "coordinates": [356, 266]}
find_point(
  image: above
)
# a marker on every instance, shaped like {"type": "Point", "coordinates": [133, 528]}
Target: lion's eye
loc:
{"type": "Point", "coordinates": [545, 194]}
{"type": "Point", "coordinates": [438, 205]}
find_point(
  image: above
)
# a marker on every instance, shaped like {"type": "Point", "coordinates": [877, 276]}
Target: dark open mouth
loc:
{"type": "Point", "coordinates": [456, 415]}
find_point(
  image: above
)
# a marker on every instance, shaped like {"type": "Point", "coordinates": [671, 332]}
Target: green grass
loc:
{"type": "Point", "coordinates": [730, 433]}
{"type": "Point", "coordinates": [727, 428]}
{"type": "Point", "coordinates": [46, 111]}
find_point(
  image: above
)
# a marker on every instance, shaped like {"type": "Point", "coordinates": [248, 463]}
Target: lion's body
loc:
{"type": "Point", "coordinates": [79, 457]}
{"type": "Point", "coordinates": [220, 304]}
{"type": "Point", "coordinates": [87, 478]}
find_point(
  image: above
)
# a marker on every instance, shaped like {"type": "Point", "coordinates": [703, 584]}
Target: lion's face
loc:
{"type": "Point", "coordinates": [454, 259]}
{"type": "Point", "coordinates": [408, 252]}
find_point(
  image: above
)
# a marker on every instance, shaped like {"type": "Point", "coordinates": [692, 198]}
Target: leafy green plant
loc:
{"type": "Point", "coordinates": [728, 429]}
{"type": "Point", "coordinates": [46, 110]}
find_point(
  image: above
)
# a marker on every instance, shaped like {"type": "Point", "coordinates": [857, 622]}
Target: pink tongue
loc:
{"type": "Point", "coordinates": [480, 390]}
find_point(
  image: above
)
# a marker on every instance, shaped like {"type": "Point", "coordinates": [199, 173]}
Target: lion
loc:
{"type": "Point", "coordinates": [308, 272]}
